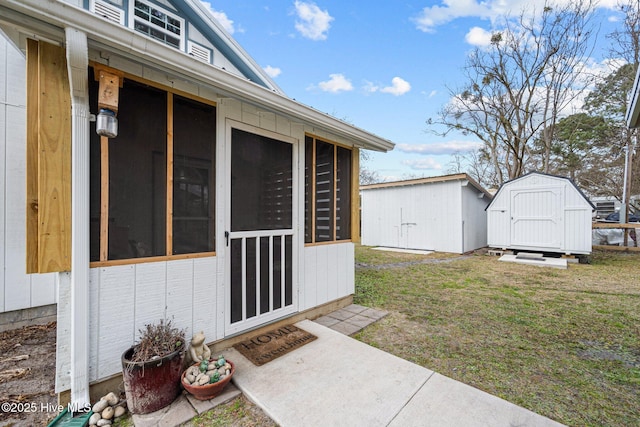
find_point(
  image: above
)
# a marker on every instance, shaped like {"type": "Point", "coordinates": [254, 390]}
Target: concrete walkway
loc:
{"type": "Point", "coordinates": [339, 381]}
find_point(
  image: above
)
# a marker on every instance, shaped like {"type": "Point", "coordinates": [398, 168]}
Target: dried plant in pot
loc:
{"type": "Point", "coordinates": [151, 369]}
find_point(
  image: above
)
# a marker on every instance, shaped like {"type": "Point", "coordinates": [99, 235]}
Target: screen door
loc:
{"type": "Point", "coordinates": [260, 239]}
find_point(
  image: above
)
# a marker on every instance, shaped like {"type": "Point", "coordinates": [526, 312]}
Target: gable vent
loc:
{"type": "Point", "coordinates": [199, 52]}
{"type": "Point", "coordinates": [107, 11]}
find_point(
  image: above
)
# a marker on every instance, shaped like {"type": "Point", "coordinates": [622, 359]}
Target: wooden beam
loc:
{"type": "Point", "coordinates": [169, 241]}
{"type": "Point", "coordinates": [32, 155]}
{"type": "Point", "coordinates": [597, 225]}
{"type": "Point", "coordinates": [54, 163]}
{"type": "Point", "coordinates": [104, 198]}
{"type": "Point", "coordinates": [355, 195]}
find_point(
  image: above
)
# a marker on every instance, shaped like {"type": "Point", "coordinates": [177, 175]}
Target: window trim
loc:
{"type": "Point", "coordinates": [354, 189]}
{"type": "Point", "coordinates": [104, 183]}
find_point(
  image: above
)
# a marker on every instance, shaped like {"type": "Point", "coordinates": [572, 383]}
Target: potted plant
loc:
{"type": "Point", "coordinates": [151, 369]}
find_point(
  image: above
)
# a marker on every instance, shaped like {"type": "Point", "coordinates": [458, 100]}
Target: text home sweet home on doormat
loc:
{"type": "Point", "coordinates": [272, 344]}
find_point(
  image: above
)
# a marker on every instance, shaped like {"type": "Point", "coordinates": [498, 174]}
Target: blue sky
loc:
{"type": "Point", "coordinates": [383, 66]}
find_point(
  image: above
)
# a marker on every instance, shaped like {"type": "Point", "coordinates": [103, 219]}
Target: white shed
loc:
{"type": "Point", "coordinates": [540, 212]}
{"type": "Point", "coordinates": [444, 214]}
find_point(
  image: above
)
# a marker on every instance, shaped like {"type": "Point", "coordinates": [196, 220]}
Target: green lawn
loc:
{"type": "Point", "coordinates": [562, 343]}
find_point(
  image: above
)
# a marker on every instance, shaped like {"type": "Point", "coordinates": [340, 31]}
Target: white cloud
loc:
{"type": "Point", "coordinates": [336, 83]}
{"type": "Point", "coordinates": [423, 164]}
{"type": "Point", "coordinates": [449, 10]}
{"type": "Point", "coordinates": [313, 23]}
{"type": "Point", "coordinates": [221, 17]}
{"type": "Point", "coordinates": [478, 37]}
{"type": "Point", "coordinates": [433, 93]}
{"type": "Point", "coordinates": [398, 87]}
{"type": "Point", "coordinates": [272, 72]}
{"type": "Point", "coordinates": [439, 148]}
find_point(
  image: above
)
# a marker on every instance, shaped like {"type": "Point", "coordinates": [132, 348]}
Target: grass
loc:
{"type": "Point", "coordinates": [562, 343]}
{"type": "Point", "coordinates": [240, 412]}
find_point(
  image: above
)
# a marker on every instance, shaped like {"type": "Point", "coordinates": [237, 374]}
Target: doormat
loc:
{"type": "Point", "coordinates": [272, 344]}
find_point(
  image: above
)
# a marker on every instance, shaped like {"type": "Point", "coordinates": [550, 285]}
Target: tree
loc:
{"type": "Point", "coordinates": [367, 175]}
{"type": "Point", "coordinates": [516, 88]}
{"type": "Point", "coordinates": [579, 150]}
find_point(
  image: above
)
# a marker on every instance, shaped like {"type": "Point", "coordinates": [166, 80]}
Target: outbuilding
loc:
{"type": "Point", "coordinates": [216, 202]}
{"type": "Point", "coordinates": [542, 213]}
{"type": "Point", "coordinates": [443, 213]}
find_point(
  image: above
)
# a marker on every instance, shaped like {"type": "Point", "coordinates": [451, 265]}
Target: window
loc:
{"type": "Point", "coordinates": [152, 187]}
{"type": "Point", "coordinates": [158, 23]}
{"type": "Point", "coordinates": [327, 191]}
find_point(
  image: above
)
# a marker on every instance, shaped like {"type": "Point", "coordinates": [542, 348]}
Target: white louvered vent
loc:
{"type": "Point", "coordinates": [107, 11]}
{"type": "Point", "coordinates": [199, 52]}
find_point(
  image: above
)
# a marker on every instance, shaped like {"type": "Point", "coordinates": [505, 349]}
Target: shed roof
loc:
{"type": "Point", "coordinates": [429, 180]}
{"type": "Point", "coordinates": [47, 20]}
{"type": "Point", "coordinates": [573, 184]}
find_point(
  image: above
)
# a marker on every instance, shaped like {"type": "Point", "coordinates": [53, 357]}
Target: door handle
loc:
{"type": "Point", "coordinates": [226, 236]}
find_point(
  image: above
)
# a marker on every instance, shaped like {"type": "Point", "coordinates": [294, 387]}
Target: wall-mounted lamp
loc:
{"type": "Point", "coordinates": [107, 123]}
{"type": "Point", "coordinates": [108, 93]}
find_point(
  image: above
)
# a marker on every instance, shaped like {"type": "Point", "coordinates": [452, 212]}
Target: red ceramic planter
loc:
{"type": "Point", "coordinates": [152, 385]}
{"type": "Point", "coordinates": [208, 391]}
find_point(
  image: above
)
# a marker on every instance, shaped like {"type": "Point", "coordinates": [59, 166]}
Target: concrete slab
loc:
{"type": "Point", "coordinates": [374, 314]}
{"type": "Point", "coordinates": [405, 251]}
{"type": "Point", "coordinates": [540, 262]}
{"type": "Point", "coordinates": [444, 402]}
{"type": "Point", "coordinates": [327, 321]}
{"type": "Point", "coordinates": [359, 321]}
{"type": "Point", "coordinates": [332, 381]}
{"type": "Point", "coordinates": [346, 328]}
{"type": "Point", "coordinates": [355, 308]}
{"type": "Point", "coordinates": [341, 314]}
{"type": "Point", "coordinates": [180, 411]}
{"type": "Point", "coordinates": [229, 393]}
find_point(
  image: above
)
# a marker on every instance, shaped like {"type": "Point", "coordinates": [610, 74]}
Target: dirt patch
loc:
{"type": "Point", "coordinates": [27, 376]}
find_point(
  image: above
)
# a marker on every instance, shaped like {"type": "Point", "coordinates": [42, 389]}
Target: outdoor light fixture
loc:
{"type": "Point", "coordinates": [107, 123]}
{"type": "Point", "coordinates": [108, 92]}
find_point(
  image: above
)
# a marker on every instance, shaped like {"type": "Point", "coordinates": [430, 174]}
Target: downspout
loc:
{"type": "Point", "coordinates": [77, 68]}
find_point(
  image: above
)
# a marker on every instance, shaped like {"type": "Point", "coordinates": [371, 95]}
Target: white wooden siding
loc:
{"type": "Point", "coordinates": [474, 218]}
{"type": "Point", "coordinates": [557, 217]}
{"type": "Point", "coordinates": [192, 292]}
{"type": "Point", "coordinates": [328, 274]}
{"type": "Point", "coordinates": [445, 216]}
{"type": "Point", "coordinates": [18, 290]}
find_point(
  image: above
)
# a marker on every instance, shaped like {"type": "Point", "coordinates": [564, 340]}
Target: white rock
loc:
{"type": "Point", "coordinates": [100, 405]}
{"type": "Point", "coordinates": [204, 380]}
{"type": "Point", "coordinates": [94, 419]}
{"type": "Point", "coordinates": [107, 414]}
{"type": "Point", "coordinates": [119, 411]}
{"type": "Point", "coordinates": [104, 423]}
{"type": "Point", "coordinates": [111, 398]}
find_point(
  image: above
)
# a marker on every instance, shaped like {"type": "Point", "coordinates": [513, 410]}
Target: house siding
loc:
{"type": "Point", "coordinates": [192, 292]}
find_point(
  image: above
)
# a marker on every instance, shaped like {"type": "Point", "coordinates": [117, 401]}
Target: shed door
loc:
{"type": "Point", "coordinates": [536, 217]}
{"type": "Point", "coordinates": [260, 242]}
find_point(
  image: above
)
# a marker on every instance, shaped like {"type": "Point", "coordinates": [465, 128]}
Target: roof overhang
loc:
{"type": "Point", "coordinates": [464, 178]}
{"type": "Point", "coordinates": [633, 111]}
{"type": "Point", "coordinates": [47, 21]}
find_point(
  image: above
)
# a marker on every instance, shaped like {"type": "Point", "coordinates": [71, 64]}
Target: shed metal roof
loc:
{"type": "Point", "coordinates": [429, 180]}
